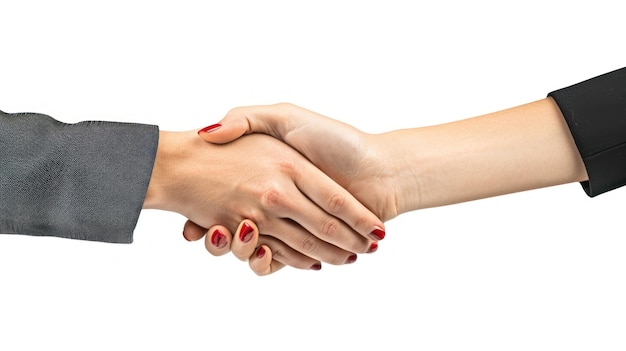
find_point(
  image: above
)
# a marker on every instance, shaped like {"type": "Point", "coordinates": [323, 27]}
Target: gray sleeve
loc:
{"type": "Point", "coordinates": [80, 181]}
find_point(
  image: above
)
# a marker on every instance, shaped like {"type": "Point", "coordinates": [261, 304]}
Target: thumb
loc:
{"type": "Point", "coordinates": [275, 120]}
{"type": "Point", "coordinates": [224, 131]}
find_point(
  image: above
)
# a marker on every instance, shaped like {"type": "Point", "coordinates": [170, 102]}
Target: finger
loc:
{"type": "Point", "coordinates": [218, 241]}
{"type": "Point", "coordinates": [246, 239]}
{"type": "Point", "coordinates": [193, 232]}
{"type": "Point", "coordinates": [293, 242]}
{"type": "Point", "coordinates": [283, 254]}
{"type": "Point", "coordinates": [277, 120]}
{"type": "Point", "coordinates": [227, 130]}
{"type": "Point", "coordinates": [262, 263]}
{"type": "Point", "coordinates": [339, 203]}
{"type": "Point", "coordinates": [323, 208]}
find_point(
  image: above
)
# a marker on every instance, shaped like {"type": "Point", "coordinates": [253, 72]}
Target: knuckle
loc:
{"type": "Point", "coordinates": [278, 254]}
{"type": "Point", "coordinates": [273, 197]}
{"type": "Point", "coordinates": [337, 202]}
{"type": "Point", "coordinates": [307, 245]}
{"type": "Point", "coordinates": [288, 167]}
{"type": "Point", "coordinates": [330, 228]}
{"type": "Point", "coordinates": [361, 222]}
{"type": "Point", "coordinates": [258, 216]}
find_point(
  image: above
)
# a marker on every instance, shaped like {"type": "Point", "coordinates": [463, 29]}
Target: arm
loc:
{"type": "Point", "coordinates": [522, 148]}
{"type": "Point", "coordinates": [90, 181]}
{"type": "Point", "coordinates": [576, 131]}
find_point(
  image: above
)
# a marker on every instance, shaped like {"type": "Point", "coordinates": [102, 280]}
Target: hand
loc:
{"type": "Point", "coordinates": [257, 252]}
{"type": "Point", "coordinates": [261, 179]}
{"type": "Point", "coordinates": [358, 161]}
{"type": "Point", "coordinates": [355, 160]}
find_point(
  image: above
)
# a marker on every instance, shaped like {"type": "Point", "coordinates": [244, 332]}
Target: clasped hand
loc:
{"type": "Point", "coordinates": [353, 159]}
{"type": "Point", "coordinates": [305, 217]}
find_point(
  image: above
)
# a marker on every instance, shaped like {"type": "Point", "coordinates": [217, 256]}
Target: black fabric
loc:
{"type": "Point", "coordinates": [595, 111]}
{"type": "Point", "coordinates": [81, 181]}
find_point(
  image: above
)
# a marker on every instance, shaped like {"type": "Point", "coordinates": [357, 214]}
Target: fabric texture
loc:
{"type": "Point", "coordinates": [82, 181]}
{"type": "Point", "coordinates": [595, 111]}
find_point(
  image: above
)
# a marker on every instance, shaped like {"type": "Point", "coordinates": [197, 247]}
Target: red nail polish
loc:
{"type": "Point", "coordinates": [351, 259]}
{"type": "Point", "coordinates": [260, 252]}
{"type": "Point", "coordinates": [316, 267]}
{"type": "Point", "coordinates": [218, 239]}
{"type": "Point", "coordinates": [210, 128]}
{"type": "Point", "coordinates": [378, 234]}
{"type": "Point", "coordinates": [373, 247]}
{"type": "Point", "coordinates": [245, 234]}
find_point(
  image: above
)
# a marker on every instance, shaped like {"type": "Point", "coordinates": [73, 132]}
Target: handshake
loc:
{"type": "Point", "coordinates": [280, 185]}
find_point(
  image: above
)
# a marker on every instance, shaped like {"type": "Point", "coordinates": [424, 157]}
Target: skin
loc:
{"type": "Point", "coordinates": [521, 148]}
{"type": "Point", "coordinates": [261, 179]}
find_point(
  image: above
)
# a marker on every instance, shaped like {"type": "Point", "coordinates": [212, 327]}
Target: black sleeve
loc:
{"type": "Point", "coordinates": [595, 111]}
{"type": "Point", "coordinates": [81, 181]}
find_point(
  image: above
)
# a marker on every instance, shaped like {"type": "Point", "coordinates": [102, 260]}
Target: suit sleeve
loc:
{"type": "Point", "coordinates": [82, 181]}
{"type": "Point", "coordinates": [595, 112]}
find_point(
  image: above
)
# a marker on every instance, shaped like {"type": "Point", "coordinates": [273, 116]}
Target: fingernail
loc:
{"type": "Point", "coordinates": [260, 252]}
{"type": "Point", "coordinates": [218, 239]}
{"type": "Point", "coordinates": [185, 236]}
{"type": "Point", "coordinates": [245, 234]}
{"type": "Point", "coordinates": [373, 247]}
{"type": "Point", "coordinates": [316, 267]}
{"type": "Point", "coordinates": [210, 128]}
{"type": "Point", "coordinates": [351, 259]}
{"type": "Point", "coordinates": [378, 234]}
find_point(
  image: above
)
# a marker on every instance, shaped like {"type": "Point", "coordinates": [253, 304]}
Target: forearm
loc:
{"type": "Point", "coordinates": [522, 148]}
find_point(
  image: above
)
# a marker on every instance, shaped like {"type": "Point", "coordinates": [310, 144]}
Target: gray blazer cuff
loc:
{"type": "Point", "coordinates": [82, 181]}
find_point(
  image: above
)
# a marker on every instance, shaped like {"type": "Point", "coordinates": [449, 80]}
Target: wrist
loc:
{"type": "Point", "coordinates": [406, 180]}
{"type": "Point", "coordinates": [158, 193]}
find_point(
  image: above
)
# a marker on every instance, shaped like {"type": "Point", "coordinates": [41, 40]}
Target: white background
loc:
{"type": "Point", "coordinates": [540, 270]}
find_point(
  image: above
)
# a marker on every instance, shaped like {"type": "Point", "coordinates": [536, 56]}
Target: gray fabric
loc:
{"type": "Point", "coordinates": [81, 181]}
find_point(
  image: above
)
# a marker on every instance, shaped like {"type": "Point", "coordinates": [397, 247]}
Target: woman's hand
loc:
{"type": "Point", "coordinates": [362, 163]}
{"type": "Point", "coordinates": [358, 161]}
{"type": "Point", "coordinates": [262, 259]}
{"type": "Point", "coordinates": [261, 179]}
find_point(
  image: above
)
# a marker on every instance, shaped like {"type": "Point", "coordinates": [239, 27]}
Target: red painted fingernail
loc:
{"type": "Point", "coordinates": [351, 259]}
{"type": "Point", "coordinates": [210, 128]}
{"type": "Point", "coordinates": [260, 252]}
{"type": "Point", "coordinates": [218, 239]}
{"type": "Point", "coordinates": [245, 234]}
{"type": "Point", "coordinates": [316, 267]}
{"type": "Point", "coordinates": [378, 234]}
{"type": "Point", "coordinates": [373, 247]}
